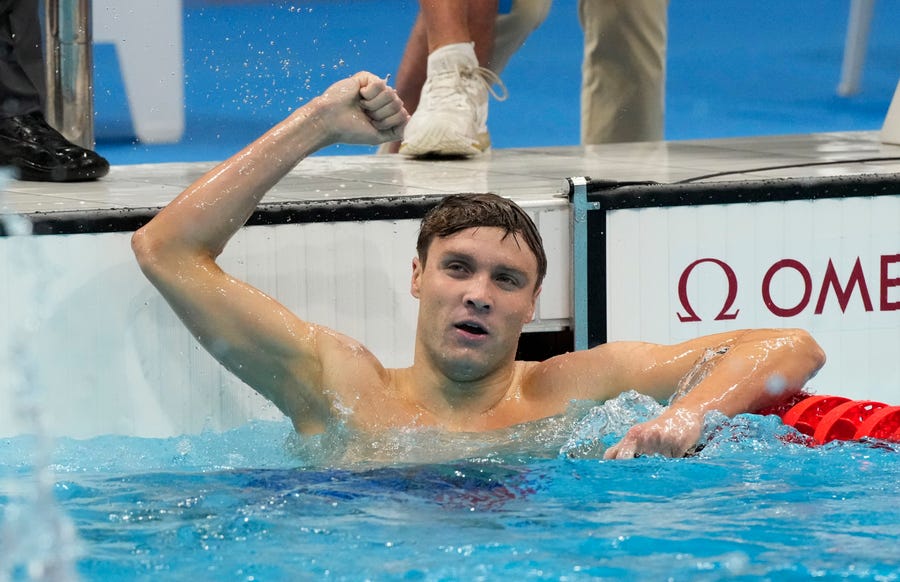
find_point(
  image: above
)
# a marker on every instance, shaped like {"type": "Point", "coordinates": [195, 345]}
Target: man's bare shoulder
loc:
{"type": "Point", "coordinates": [594, 374]}
{"type": "Point", "coordinates": [346, 361]}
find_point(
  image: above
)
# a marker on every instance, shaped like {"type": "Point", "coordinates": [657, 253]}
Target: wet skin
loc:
{"type": "Point", "coordinates": [476, 290]}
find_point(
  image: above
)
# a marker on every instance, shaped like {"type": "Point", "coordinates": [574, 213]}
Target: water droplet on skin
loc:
{"type": "Point", "coordinates": [776, 384]}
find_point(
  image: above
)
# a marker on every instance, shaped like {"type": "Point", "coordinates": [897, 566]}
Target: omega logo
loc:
{"type": "Point", "coordinates": [856, 284]}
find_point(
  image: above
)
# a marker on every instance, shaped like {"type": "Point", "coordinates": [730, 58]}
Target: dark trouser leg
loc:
{"type": "Point", "coordinates": [22, 88]}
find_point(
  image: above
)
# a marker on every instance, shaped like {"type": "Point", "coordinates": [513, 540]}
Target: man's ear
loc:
{"type": "Point", "coordinates": [416, 277]}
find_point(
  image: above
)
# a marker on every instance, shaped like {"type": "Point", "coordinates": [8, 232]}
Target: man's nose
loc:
{"type": "Point", "coordinates": [478, 294]}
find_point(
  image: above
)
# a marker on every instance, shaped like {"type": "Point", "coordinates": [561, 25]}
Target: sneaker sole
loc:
{"type": "Point", "coordinates": [441, 144]}
{"type": "Point", "coordinates": [28, 173]}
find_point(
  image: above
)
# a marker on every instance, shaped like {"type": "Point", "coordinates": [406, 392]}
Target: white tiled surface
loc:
{"type": "Point", "coordinates": [529, 176]}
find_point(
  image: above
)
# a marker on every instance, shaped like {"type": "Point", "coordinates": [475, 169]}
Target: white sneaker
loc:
{"type": "Point", "coordinates": [451, 119]}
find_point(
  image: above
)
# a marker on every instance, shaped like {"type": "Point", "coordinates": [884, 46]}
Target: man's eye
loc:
{"type": "Point", "coordinates": [508, 281]}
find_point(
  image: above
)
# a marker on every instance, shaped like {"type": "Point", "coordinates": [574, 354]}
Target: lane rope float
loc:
{"type": "Point", "coordinates": [826, 418]}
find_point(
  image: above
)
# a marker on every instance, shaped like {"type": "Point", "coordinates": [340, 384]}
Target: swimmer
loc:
{"type": "Point", "coordinates": [476, 274]}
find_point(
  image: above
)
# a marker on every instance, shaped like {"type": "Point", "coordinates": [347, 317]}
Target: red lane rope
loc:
{"type": "Point", "coordinates": [829, 418]}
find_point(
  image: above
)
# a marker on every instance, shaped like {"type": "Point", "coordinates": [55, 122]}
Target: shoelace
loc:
{"type": "Point", "coordinates": [490, 79]}
{"type": "Point", "coordinates": [445, 87]}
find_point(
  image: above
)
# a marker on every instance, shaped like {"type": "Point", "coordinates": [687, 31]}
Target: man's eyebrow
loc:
{"type": "Point", "coordinates": [456, 255]}
{"type": "Point", "coordinates": [514, 271]}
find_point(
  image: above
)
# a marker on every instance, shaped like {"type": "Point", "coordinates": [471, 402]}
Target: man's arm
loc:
{"type": "Point", "coordinates": [754, 369]}
{"type": "Point", "coordinates": [250, 333]}
{"type": "Point", "coordinates": [760, 368]}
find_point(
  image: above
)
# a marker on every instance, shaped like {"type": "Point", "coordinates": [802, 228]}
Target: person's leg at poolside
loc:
{"type": "Point", "coordinates": [510, 31]}
{"type": "Point", "coordinates": [21, 59]}
{"type": "Point", "coordinates": [460, 21]}
{"type": "Point", "coordinates": [451, 114]}
{"type": "Point", "coordinates": [411, 71]}
{"type": "Point", "coordinates": [513, 27]}
{"type": "Point", "coordinates": [624, 70]}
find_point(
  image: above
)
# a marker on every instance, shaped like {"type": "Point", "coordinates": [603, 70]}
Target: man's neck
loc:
{"type": "Point", "coordinates": [457, 402]}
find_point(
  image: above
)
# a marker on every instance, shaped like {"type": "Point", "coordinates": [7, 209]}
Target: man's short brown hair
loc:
{"type": "Point", "coordinates": [461, 211]}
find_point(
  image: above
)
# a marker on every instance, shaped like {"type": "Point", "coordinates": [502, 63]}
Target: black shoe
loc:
{"type": "Point", "coordinates": [37, 152]}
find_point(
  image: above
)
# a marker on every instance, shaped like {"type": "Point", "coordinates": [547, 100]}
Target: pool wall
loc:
{"type": "Point", "coordinates": [80, 323]}
{"type": "Point", "coordinates": [683, 260]}
{"type": "Point", "coordinates": [83, 326]}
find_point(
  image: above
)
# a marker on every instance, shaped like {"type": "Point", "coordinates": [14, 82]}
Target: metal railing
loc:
{"type": "Point", "coordinates": [69, 69]}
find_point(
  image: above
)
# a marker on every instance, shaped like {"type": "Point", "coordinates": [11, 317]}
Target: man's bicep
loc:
{"type": "Point", "coordinates": [600, 373]}
{"type": "Point", "coordinates": [658, 369]}
{"type": "Point", "coordinates": [607, 370]}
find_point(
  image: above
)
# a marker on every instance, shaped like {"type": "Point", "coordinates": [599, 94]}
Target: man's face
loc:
{"type": "Point", "coordinates": [476, 291]}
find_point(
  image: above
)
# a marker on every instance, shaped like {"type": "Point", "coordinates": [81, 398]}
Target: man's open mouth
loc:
{"type": "Point", "coordinates": [471, 327]}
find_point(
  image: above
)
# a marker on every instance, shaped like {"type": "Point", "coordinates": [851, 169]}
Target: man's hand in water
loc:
{"type": "Point", "coordinates": [672, 434]}
{"type": "Point", "coordinates": [361, 109]}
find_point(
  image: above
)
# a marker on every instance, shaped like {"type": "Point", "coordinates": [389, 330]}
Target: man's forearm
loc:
{"type": "Point", "coordinates": [205, 216]}
{"type": "Point", "coordinates": [761, 367]}
{"type": "Point", "coordinates": [758, 371]}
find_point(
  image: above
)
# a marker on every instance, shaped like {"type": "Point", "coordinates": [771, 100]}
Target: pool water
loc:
{"type": "Point", "coordinates": [255, 503]}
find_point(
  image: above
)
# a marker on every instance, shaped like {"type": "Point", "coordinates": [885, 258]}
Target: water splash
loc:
{"type": "Point", "coordinates": [607, 423]}
{"type": "Point", "coordinates": [37, 538]}
{"type": "Point", "coordinates": [342, 446]}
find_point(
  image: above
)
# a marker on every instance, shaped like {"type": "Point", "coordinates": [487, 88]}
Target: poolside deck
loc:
{"type": "Point", "coordinates": [532, 176]}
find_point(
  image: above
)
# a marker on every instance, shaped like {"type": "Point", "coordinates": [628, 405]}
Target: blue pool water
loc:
{"type": "Point", "coordinates": [258, 503]}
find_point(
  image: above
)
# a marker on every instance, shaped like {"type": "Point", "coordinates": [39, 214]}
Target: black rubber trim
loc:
{"type": "Point", "coordinates": [614, 195]}
{"type": "Point", "coordinates": [270, 213]}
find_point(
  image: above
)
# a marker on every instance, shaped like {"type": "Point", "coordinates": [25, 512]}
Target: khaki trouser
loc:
{"type": "Point", "coordinates": [624, 70]}
{"type": "Point", "coordinates": [511, 29]}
